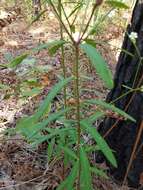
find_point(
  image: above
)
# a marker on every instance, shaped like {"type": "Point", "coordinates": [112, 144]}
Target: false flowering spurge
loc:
{"type": "Point", "coordinates": [67, 142]}
{"type": "Point", "coordinates": [133, 36]}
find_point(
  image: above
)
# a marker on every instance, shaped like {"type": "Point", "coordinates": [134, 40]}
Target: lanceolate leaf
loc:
{"type": "Point", "coordinates": [37, 18]}
{"type": "Point", "coordinates": [29, 128]}
{"type": "Point", "coordinates": [50, 149]}
{"type": "Point", "coordinates": [99, 63]}
{"type": "Point", "coordinates": [31, 93]}
{"type": "Point", "coordinates": [100, 142]}
{"type": "Point", "coordinates": [75, 9]}
{"type": "Point", "coordinates": [69, 181]}
{"type": "Point", "coordinates": [55, 90]}
{"type": "Point", "coordinates": [117, 4]}
{"type": "Point", "coordinates": [95, 116]}
{"type": "Point", "coordinates": [58, 132]}
{"type": "Point", "coordinates": [98, 172]}
{"type": "Point", "coordinates": [90, 42]}
{"type": "Point", "coordinates": [38, 140]}
{"type": "Point", "coordinates": [27, 124]}
{"type": "Point", "coordinates": [52, 46]}
{"type": "Point", "coordinates": [16, 61]}
{"type": "Point", "coordinates": [69, 152]}
{"type": "Point", "coordinates": [52, 117]}
{"type": "Point", "coordinates": [54, 49]}
{"type": "Point", "coordinates": [111, 107]}
{"type": "Point", "coordinates": [42, 110]}
{"type": "Point", "coordinates": [86, 180]}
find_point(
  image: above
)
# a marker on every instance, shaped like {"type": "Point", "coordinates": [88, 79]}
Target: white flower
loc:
{"type": "Point", "coordinates": [76, 36]}
{"type": "Point", "coordinates": [112, 14]}
{"type": "Point", "coordinates": [133, 36]}
{"type": "Point", "coordinates": [141, 88]}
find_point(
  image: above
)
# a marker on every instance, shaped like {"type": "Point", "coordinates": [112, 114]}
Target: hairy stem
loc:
{"type": "Point", "coordinates": [61, 21]}
{"type": "Point", "coordinates": [63, 65]}
{"type": "Point", "coordinates": [88, 23]}
{"type": "Point", "coordinates": [77, 97]}
{"type": "Point", "coordinates": [62, 55]}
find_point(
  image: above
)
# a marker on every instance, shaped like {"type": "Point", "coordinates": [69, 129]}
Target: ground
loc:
{"type": "Point", "coordinates": [21, 168]}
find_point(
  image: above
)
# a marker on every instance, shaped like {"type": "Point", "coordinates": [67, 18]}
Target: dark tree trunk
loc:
{"type": "Point", "coordinates": [123, 136]}
{"type": "Point", "coordinates": [37, 7]}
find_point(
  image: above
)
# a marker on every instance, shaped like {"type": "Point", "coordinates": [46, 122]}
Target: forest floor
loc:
{"type": "Point", "coordinates": [21, 168]}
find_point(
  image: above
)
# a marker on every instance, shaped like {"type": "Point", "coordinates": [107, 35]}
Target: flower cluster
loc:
{"type": "Point", "coordinates": [133, 36]}
{"type": "Point", "coordinates": [141, 88]}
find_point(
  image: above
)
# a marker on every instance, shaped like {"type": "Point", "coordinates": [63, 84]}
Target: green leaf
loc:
{"type": "Point", "coordinates": [99, 63]}
{"type": "Point", "coordinates": [90, 42]}
{"type": "Point", "coordinates": [50, 149]}
{"type": "Point", "coordinates": [31, 93]}
{"type": "Point", "coordinates": [72, 27]}
{"type": "Point", "coordinates": [58, 132]}
{"type": "Point", "coordinates": [29, 128]}
{"type": "Point", "coordinates": [33, 82]}
{"type": "Point", "coordinates": [95, 116]}
{"type": "Point", "coordinates": [100, 142]}
{"type": "Point", "coordinates": [16, 61]}
{"type": "Point", "coordinates": [93, 148]}
{"type": "Point", "coordinates": [38, 140]}
{"type": "Point", "coordinates": [52, 117]}
{"type": "Point", "coordinates": [54, 49]}
{"type": "Point", "coordinates": [86, 180]}
{"type": "Point", "coordinates": [69, 152]}
{"type": "Point", "coordinates": [8, 56]}
{"type": "Point", "coordinates": [76, 8]}
{"type": "Point", "coordinates": [98, 172]}
{"type": "Point", "coordinates": [69, 181]}
{"type": "Point", "coordinates": [117, 4]}
{"type": "Point", "coordinates": [29, 61]}
{"type": "Point", "coordinates": [55, 90]}
{"type": "Point", "coordinates": [4, 87]}
{"type": "Point", "coordinates": [112, 108]}
{"type": "Point", "coordinates": [36, 18]}
{"type": "Point", "coordinates": [23, 124]}
{"type": "Point", "coordinates": [51, 46]}
{"type": "Point", "coordinates": [44, 107]}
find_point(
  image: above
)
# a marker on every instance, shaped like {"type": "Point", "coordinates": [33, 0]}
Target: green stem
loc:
{"type": "Point", "coordinates": [61, 21]}
{"type": "Point", "coordinates": [101, 20]}
{"type": "Point", "coordinates": [66, 18]}
{"type": "Point", "coordinates": [84, 17]}
{"type": "Point", "coordinates": [77, 97]}
{"type": "Point", "coordinates": [62, 55]}
{"type": "Point", "coordinates": [63, 66]}
{"type": "Point", "coordinates": [125, 94]}
{"type": "Point", "coordinates": [75, 18]}
{"type": "Point", "coordinates": [88, 23]}
{"type": "Point", "coordinates": [137, 72]}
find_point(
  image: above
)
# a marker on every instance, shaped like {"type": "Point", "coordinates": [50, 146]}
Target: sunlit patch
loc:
{"type": "Point", "coordinates": [11, 43]}
{"type": "Point", "coordinates": [36, 31]}
{"type": "Point", "coordinates": [3, 14]}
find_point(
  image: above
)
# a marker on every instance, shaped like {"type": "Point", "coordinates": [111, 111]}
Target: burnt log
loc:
{"type": "Point", "coordinates": [129, 73]}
